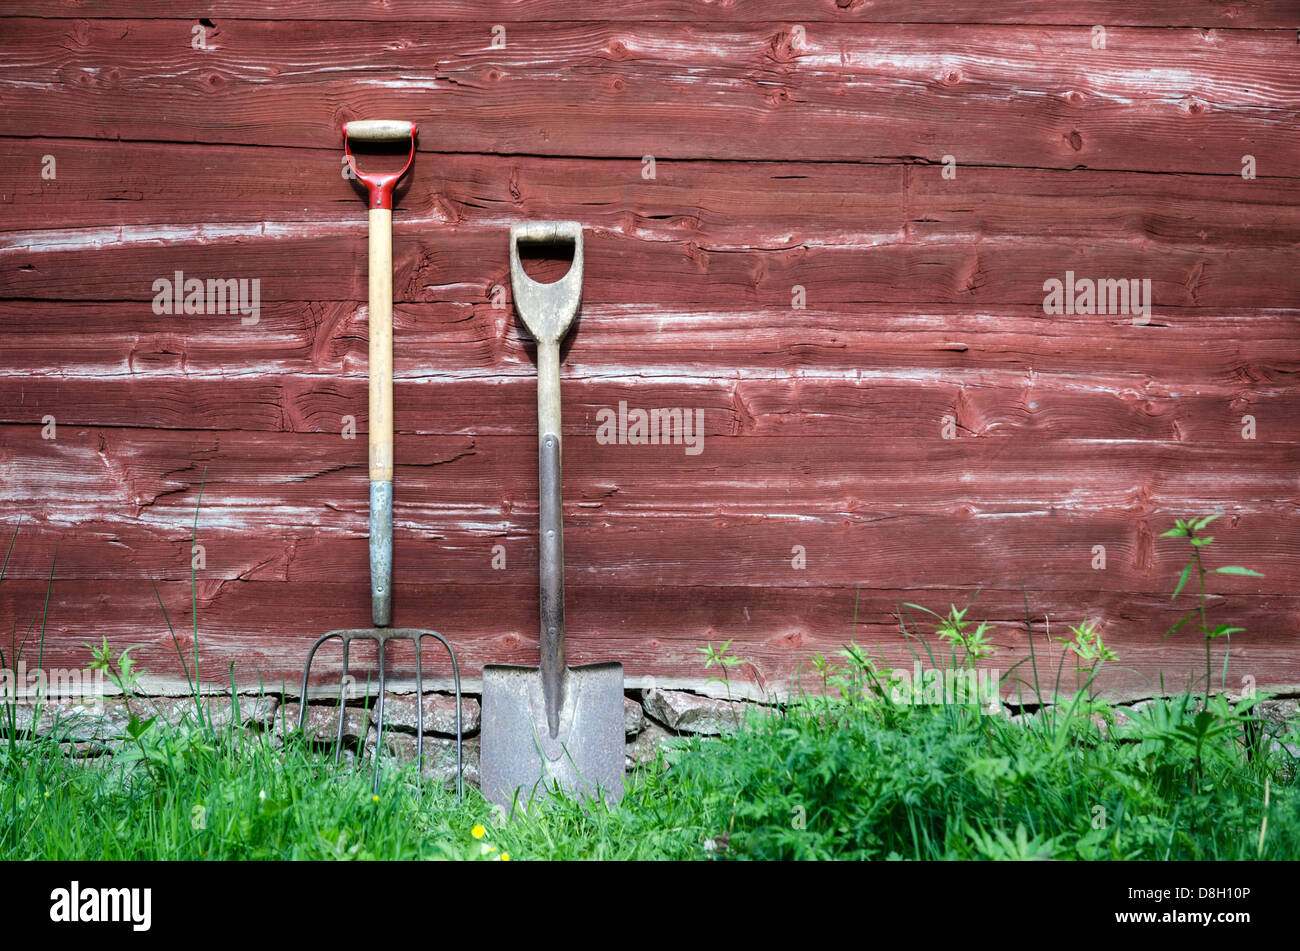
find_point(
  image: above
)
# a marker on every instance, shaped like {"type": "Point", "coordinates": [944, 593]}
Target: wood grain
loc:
{"type": "Point", "coordinates": [311, 262]}
{"type": "Point", "coordinates": [62, 339]}
{"type": "Point", "coordinates": [131, 470]}
{"type": "Point", "coordinates": [803, 269]}
{"type": "Point", "coordinates": [1189, 100]}
{"type": "Point", "coordinates": [724, 204]}
{"type": "Point", "coordinates": [1239, 14]}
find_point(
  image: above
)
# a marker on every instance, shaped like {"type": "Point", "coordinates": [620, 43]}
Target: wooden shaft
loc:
{"type": "Point", "coordinates": [548, 389]}
{"type": "Point", "coordinates": [381, 345]}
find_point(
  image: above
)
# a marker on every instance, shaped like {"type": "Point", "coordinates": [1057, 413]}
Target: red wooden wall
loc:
{"type": "Point", "coordinates": [794, 144]}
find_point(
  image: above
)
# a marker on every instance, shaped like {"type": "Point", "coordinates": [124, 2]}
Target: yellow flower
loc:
{"type": "Point", "coordinates": [374, 799]}
{"type": "Point", "coordinates": [47, 794]}
{"type": "Point", "coordinates": [505, 856]}
{"type": "Point", "coordinates": [478, 832]}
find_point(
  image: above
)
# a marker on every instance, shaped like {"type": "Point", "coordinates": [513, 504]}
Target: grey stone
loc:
{"type": "Point", "coordinates": [1124, 715]}
{"type": "Point", "coordinates": [80, 720]}
{"type": "Point", "coordinates": [323, 722]}
{"type": "Point", "coordinates": [1281, 722]}
{"type": "Point", "coordinates": [259, 710]}
{"type": "Point", "coordinates": [439, 714]}
{"type": "Point", "coordinates": [690, 713]}
{"type": "Point", "coordinates": [177, 711]}
{"type": "Point", "coordinates": [643, 750]}
{"type": "Point", "coordinates": [1281, 713]}
{"type": "Point", "coordinates": [87, 720]}
{"type": "Point", "coordinates": [220, 710]}
{"type": "Point", "coordinates": [633, 717]}
{"type": "Point", "coordinates": [439, 755]}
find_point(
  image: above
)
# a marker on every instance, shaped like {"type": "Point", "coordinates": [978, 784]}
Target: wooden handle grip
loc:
{"type": "Point", "coordinates": [381, 345]}
{"type": "Point", "coordinates": [378, 130]}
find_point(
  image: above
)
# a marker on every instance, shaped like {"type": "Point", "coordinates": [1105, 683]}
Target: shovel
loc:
{"type": "Point", "coordinates": [554, 727]}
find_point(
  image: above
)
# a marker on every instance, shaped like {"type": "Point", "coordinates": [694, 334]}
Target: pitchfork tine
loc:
{"type": "Point", "coordinates": [419, 718]}
{"type": "Point", "coordinates": [379, 729]}
{"type": "Point", "coordinates": [343, 708]}
{"type": "Point", "coordinates": [381, 636]}
{"type": "Point", "coordinates": [460, 743]}
{"type": "Point", "coordinates": [302, 695]}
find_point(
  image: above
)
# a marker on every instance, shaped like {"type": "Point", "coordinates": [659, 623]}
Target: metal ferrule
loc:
{"type": "Point", "coordinates": [381, 553]}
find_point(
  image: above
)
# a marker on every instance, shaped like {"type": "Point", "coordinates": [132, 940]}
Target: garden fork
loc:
{"type": "Point", "coordinates": [380, 190]}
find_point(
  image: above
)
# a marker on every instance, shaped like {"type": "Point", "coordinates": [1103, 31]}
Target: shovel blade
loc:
{"type": "Point", "coordinates": [521, 764]}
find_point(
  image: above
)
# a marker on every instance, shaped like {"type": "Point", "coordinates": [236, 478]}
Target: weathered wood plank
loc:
{"type": "Point", "coordinates": [1241, 14]}
{"type": "Point", "coordinates": [327, 262]}
{"type": "Point", "coordinates": [1153, 100]}
{"type": "Point", "coordinates": [1200, 346]}
{"type": "Point", "coordinates": [884, 405]}
{"type": "Point", "coordinates": [124, 472]}
{"type": "Point", "coordinates": [1047, 549]}
{"type": "Point", "coordinates": [654, 631]}
{"type": "Point", "coordinates": [715, 204]}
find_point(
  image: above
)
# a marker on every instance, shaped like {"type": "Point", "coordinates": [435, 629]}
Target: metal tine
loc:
{"type": "Point", "coordinates": [379, 730]}
{"type": "Point", "coordinates": [419, 719]}
{"type": "Point", "coordinates": [381, 639]}
{"type": "Point", "coordinates": [343, 707]}
{"type": "Point", "coordinates": [306, 672]}
{"type": "Point", "coordinates": [460, 736]}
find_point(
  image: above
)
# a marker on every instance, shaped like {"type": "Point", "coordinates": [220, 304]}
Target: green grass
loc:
{"type": "Point", "coordinates": [856, 776]}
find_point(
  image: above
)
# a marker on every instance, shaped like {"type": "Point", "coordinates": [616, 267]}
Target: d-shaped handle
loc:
{"type": "Point", "coordinates": [547, 310]}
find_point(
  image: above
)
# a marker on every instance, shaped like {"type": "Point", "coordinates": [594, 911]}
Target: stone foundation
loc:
{"type": "Point", "coordinates": [652, 718]}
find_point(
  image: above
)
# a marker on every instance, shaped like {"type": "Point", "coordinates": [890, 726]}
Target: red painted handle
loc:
{"type": "Point", "coordinates": [379, 186]}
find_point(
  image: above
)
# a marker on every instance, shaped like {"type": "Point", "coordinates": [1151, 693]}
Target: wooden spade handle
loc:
{"type": "Point", "coordinates": [381, 345]}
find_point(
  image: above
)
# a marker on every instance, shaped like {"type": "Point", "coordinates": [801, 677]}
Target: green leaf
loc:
{"type": "Point", "coordinates": [1186, 617]}
{"type": "Point", "coordinates": [1187, 571]}
{"type": "Point", "coordinates": [1203, 522]}
{"type": "Point", "coordinates": [1174, 533]}
{"type": "Point", "coordinates": [1237, 570]}
{"type": "Point", "coordinates": [1198, 542]}
{"type": "Point", "coordinates": [921, 607]}
{"type": "Point", "coordinates": [1222, 629]}
{"type": "Point", "coordinates": [137, 727]}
